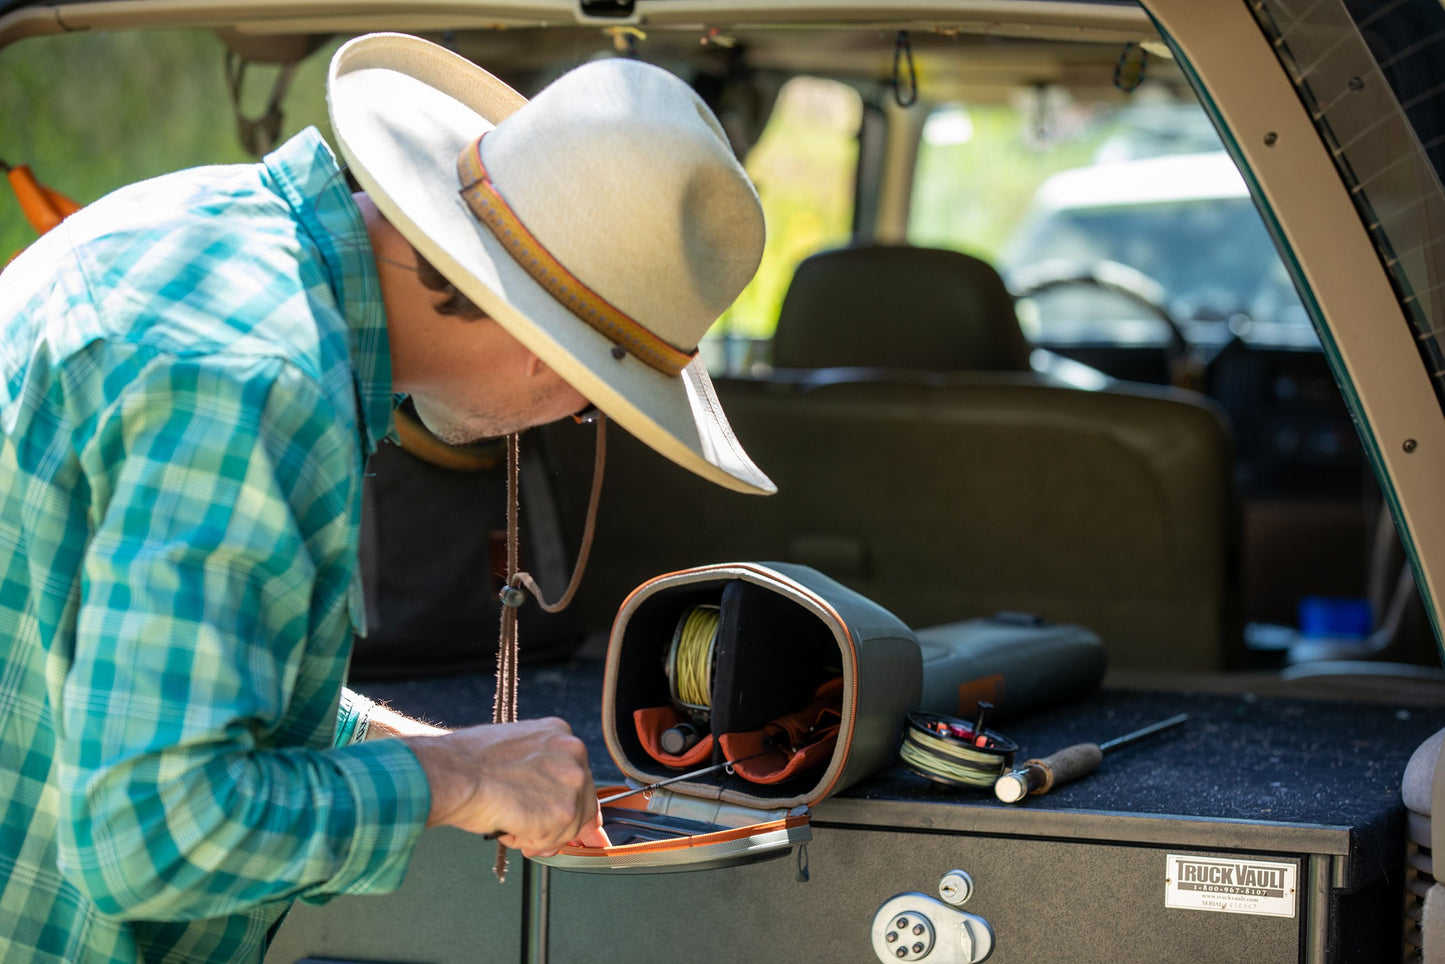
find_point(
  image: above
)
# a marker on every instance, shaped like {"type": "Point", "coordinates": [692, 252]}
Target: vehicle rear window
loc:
{"type": "Point", "coordinates": [1141, 180]}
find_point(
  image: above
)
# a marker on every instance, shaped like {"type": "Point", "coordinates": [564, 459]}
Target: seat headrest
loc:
{"type": "Point", "coordinates": [896, 306]}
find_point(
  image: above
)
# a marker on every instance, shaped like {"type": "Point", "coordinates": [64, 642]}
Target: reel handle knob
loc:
{"type": "Point", "coordinates": [1040, 776]}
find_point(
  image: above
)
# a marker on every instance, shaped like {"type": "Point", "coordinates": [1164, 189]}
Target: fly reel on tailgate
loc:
{"type": "Point", "coordinates": [954, 752]}
{"type": "Point", "coordinates": [691, 664]}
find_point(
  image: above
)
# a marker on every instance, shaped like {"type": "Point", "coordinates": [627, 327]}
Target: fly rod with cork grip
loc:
{"type": "Point", "coordinates": [1039, 776]}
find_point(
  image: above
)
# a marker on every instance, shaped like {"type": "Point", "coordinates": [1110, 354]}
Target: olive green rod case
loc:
{"type": "Point", "coordinates": [811, 684]}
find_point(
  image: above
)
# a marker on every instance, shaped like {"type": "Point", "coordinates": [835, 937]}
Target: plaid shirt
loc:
{"type": "Point", "coordinates": [195, 369]}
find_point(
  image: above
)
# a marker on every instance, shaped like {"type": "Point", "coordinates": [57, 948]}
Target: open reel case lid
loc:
{"type": "Point", "coordinates": [801, 681]}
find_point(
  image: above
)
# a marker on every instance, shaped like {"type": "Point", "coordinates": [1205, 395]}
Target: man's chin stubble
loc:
{"type": "Point", "coordinates": [447, 433]}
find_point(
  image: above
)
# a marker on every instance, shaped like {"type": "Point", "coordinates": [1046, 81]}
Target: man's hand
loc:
{"type": "Point", "coordinates": [592, 835]}
{"type": "Point", "coordinates": [527, 781]}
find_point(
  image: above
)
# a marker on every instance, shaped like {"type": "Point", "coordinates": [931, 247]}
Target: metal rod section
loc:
{"type": "Point", "coordinates": [535, 911]}
{"type": "Point", "coordinates": [653, 786]}
{"type": "Point", "coordinates": [1069, 764]}
{"type": "Point", "coordinates": [677, 779]}
{"type": "Point", "coordinates": [1147, 731]}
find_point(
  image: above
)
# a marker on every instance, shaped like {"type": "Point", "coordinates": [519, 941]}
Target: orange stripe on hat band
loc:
{"type": "Point", "coordinates": [492, 210]}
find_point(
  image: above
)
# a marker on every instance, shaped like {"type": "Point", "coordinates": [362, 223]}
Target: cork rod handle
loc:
{"type": "Point", "coordinates": [1068, 765]}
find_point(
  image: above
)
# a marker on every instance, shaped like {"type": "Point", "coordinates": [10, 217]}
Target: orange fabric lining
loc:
{"type": "Point", "coordinates": [790, 744]}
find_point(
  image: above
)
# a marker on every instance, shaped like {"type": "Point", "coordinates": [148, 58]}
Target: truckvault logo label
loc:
{"type": "Point", "coordinates": [1230, 885]}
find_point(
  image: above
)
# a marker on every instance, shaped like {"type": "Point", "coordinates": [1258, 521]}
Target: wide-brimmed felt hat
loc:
{"type": "Point", "coordinates": [605, 224]}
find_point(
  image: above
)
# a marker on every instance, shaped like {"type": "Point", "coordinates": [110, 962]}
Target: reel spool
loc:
{"type": "Point", "coordinates": [954, 752]}
{"type": "Point", "coordinates": [691, 663]}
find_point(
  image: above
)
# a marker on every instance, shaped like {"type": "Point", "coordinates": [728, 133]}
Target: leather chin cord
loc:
{"type": "Point", "coordinates": [519, 584]}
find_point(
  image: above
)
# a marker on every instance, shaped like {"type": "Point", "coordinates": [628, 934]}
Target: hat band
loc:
{"type": "Point", "coordinates": [621, 329]}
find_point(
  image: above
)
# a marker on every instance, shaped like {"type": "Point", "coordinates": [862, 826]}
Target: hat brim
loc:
{"type": "Point", "coordinates": [402, 109]}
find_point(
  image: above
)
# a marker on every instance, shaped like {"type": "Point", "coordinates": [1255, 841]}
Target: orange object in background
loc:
{"type": "Point", "coordinates": [43, 208]}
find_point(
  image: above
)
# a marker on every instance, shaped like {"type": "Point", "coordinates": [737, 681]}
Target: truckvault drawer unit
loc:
{"type": "Point", "coordinates": [1263, 830]}
{"type": "Point", "coordinates": [1288, 811]}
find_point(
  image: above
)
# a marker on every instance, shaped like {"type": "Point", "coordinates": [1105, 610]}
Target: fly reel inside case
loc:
{"type": "Point", "coordinates": [691, 666]}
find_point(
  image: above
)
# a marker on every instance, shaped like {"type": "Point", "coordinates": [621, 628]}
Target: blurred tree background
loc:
{"type": "Point", "coordinates": [979, 166]}
{"type": "Point", "coordinates": [90, 112]}
{"type": "Point", "coordinates": [803, 167]}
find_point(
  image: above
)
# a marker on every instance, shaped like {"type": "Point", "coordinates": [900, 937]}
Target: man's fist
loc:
{"type": "Point", "coordinates": [528, 782]}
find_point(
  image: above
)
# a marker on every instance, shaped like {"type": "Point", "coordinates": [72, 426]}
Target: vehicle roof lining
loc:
{"type": "Point", "coordinates": [834, 28]}
{"type": "Point", "coordinates": [969, 57]}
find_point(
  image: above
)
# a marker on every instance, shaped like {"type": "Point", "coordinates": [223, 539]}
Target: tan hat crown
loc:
{"type": "Point", "coordinates": [622, 173]}
{"type": "Point", "coordinates": [605, 225]}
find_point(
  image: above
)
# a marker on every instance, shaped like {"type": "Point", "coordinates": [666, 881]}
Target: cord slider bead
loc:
{"type": "Point", "coordinates": [512, 596]}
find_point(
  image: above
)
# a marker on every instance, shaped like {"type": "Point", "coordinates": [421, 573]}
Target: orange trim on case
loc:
{"type": "Point", "coordinates": [688, 843]}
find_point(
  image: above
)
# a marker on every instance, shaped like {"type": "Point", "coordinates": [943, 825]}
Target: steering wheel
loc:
{"type": "Point", "coordinates": [1114, 277]}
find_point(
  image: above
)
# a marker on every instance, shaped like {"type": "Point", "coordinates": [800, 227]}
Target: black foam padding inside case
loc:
{"type": "Point", "coordinates": [772, 654]}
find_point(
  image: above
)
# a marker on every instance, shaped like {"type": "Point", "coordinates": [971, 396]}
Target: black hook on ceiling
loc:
{"type": "Point", "coordinates": [905, 92]}
{"type": "Point", "coordinates": [1129, 72]}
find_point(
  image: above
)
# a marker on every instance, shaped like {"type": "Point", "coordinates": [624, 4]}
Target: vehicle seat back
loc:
{"type": "Point", "coordinates": [898, 307]}
{"type": "Point", "coordinates": [949, 500]}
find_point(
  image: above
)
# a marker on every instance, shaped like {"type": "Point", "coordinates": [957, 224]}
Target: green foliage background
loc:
{"type": "Point", "coordinates": [803, 166]}
{"type": "Point", "coordinates": [970, 196]}
{"type": "Point", "coordinates": [92, 112]}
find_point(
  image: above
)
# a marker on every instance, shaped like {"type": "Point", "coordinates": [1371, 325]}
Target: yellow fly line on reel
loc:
{"type": "Point", "coordinates": [955, 752]}
{"type": "Point", "coordinates": [692, 659]}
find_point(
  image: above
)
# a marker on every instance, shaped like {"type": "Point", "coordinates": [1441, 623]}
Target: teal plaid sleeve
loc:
{"type": "Point", "coordinates": [219, 489]}
{"type": "Point", "coordinates": [353, 717]}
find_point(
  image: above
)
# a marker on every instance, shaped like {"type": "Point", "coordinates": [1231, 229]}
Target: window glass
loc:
{"type": "Point", "coordinates": [803, 166]}
{"type": "Point", "coordinates": [979, 165]}
{"type": "Point", "coordinates": [1049, 186]}
{"type": "Point", "coordinates": [135, 104]}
